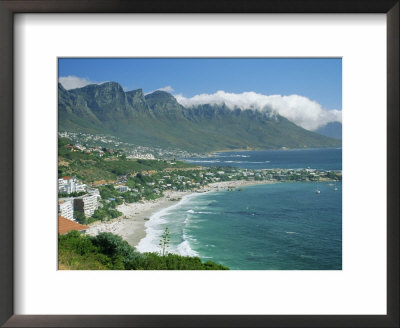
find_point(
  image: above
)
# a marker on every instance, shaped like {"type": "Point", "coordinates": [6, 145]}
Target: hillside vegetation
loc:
{"type": "Point", "coordinates": [91, 167]}
{"type": "Point", "coordinates": [110, 252]}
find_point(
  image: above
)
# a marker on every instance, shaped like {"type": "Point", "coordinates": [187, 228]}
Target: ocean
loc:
{"type": "Point", "coordinates": [319, 158]}
{"type": "Point", "coordinates": [280, 226]}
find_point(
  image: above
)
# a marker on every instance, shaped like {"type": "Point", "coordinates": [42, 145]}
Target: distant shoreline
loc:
{"type": "Point", "coordinates": [274, 149]}
{"type": "Point", "coordinates": [131, 226]}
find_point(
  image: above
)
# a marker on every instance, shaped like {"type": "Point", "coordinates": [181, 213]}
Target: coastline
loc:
{"type": "Point", "coordinates": [273, 149]}
{"type": "Point", "coordinates": [131, 225]}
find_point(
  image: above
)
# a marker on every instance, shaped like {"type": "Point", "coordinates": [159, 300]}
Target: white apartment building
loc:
{"type": "Point", "coordinates": [86, 204]}
{"type": "Point", "coordinates": [80, 187]}
{"type": "Point", "coordinates": [94, 191]}
{"type": "Point", "coordinates": [69, 185]}
{"type": "Point", "coordinates": [66, 208]}
{"type": "Point", "coordinates": [61, 184]}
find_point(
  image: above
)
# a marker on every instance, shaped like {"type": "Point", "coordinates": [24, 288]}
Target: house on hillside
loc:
{"type": "Point", "coordinates": [123, 188]}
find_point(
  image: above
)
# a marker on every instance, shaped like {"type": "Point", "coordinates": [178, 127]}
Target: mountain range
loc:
{"type": "Point", "coordinates": [157, 119]}
{"type": "Point", "coordinates": [331, 129]}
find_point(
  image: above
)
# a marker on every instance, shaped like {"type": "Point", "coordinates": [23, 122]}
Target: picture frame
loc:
{"type": "Point", "coordinates": [8, 8]}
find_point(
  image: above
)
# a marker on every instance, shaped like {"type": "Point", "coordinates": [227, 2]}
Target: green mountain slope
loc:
{"type": "Point", "coordinates": [158, 119]}
{"type": "Point", "coordinates": [332, 130]}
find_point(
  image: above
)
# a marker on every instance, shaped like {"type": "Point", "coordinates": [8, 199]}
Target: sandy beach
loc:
{"type": "Point", "coordinates": [131, 225]}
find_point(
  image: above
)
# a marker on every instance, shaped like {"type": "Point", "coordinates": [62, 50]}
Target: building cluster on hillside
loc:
{"type": "Point", "coordinates": [97, 150]}
{"type": "Point", "coordinates": [136, 155]}
{"type": "Point", "coordinates": [87, 204]}
{"type": "Point", "coordinates": [156, 182]}
{"type": "Point", "coordinates": [96, 143]}
{"type": "Point", "coordinates": [91, 139]}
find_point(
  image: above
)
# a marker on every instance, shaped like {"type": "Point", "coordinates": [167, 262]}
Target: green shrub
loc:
{"type": "Point", "coordinates": [107, 251]}
{"type": "Point", "coordinates": [80, 217]}
{"type": "Point", "coordinates": [74, 241]}
{"type": "Point", "coordinates": [113, 245]}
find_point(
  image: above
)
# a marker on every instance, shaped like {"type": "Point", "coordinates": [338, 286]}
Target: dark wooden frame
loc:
{"type": "Point", "coordinates": [7, 10]}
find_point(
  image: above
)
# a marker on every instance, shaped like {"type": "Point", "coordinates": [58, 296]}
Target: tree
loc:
{"type": "Point", "coordinates": [164, 242]}
{"type": "Point", "coordinates": [113, 246]}
{"type": "Point", "coordinates": [80, 217]}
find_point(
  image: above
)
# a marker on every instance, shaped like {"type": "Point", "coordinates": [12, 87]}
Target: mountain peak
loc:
{"type": "Point", "coordinates": [111, 85]}
{"type": "Point", "coordinates": [137, 92]}
{"type": "Point", "coordinates": [161, 95]}
{"type": "Point", "coordinates": [161, 99]}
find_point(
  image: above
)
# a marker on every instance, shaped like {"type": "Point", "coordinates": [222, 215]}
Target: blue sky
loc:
{"type": "Point", "coordinates": [319, 80]}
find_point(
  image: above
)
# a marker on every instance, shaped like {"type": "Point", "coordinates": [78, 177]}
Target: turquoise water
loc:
{"type": "Point", "coordinates": [318, 158]}
{"type": "Point", "coordinates": [280, 226]}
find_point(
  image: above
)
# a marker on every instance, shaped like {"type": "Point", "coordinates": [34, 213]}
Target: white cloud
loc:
{"type": "Point", "coordinates": [298, 109]}
{"type": "Point", "coordinates": [73, 82]}
{"type": "Point", "coordinates": [168, 88]}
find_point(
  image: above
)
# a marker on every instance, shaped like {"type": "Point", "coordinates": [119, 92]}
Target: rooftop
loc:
{"type": "Point", "coordinates": [65, 225]}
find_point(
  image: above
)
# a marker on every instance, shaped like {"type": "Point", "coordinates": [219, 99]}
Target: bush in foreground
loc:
{"type": "Point", "coordinates": [110, 252]}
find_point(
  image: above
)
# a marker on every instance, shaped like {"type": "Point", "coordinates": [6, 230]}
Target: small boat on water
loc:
{"type": "Point", "coordinates": [317, 191]}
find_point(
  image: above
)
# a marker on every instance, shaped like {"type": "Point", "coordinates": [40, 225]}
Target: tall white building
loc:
{"type": "Point", "coordinates": [66, 208]}
{"type": "Point", "coordinates": [86, 204]}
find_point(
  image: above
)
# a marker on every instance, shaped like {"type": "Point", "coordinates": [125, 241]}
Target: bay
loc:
{"type": "Point", "coordinates": [280, 226]}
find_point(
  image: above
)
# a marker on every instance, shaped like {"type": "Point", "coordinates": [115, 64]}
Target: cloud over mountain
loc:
{"type": "Point", "coordinates": [167, 88]}
{"type": "Point", "coordinates": [159, 120]}
{"type": "Point", "coordinates": [73, 82]}
{"type": "Point", "coordinates": [302, 111]}
{"type": "Point", "coordinates": [299, 109]}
